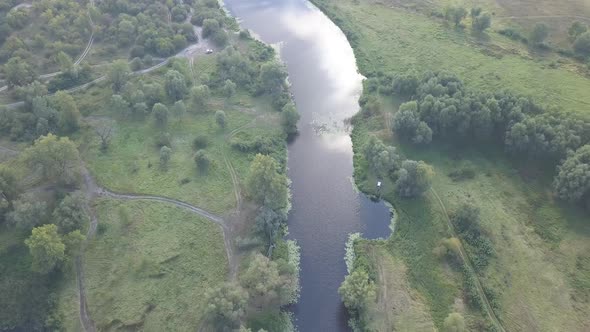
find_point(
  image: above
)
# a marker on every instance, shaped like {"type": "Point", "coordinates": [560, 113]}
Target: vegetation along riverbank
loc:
{"type": "Point", "coordinates": [475, 118]}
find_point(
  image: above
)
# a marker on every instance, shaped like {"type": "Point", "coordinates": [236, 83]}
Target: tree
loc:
{"type": "Point", "coordinates": [226, 305]}
{"type": "Point", "coordinates": [482, 22]}
{"type": "Point", "coordinates": [289, 119]}
{"type": "Point", "coordinates": [64, 61]}
{"type": "Point", "coordinates": [455, 14]}
{"type": "Point", "coordinates": [261, 278]}
{"type": "Point", "coordinates": [454, 323]}
{"type": "Point", "coordinates": [577, 28]}
{"type": "Point", "coordinates": [229, 88]}
{"type": "Point", "coordinates": [199, 95]}
{"type": "Point", "coordinates": [272, 77]}
{"type": "Point", "coordinates": [160, 114]}
{"type": "Point", "coordinates": [10, 189]}
{"type": "Point", "coordinates": [202, 160]}
{"type": "Point", "coordinates": [382, 159]}
{"type": "Point", "coordinates": [220, 119]}
{"type": "Point", "coordinates": [179, 109]}
{"type": "Point", "coordinates": [70, 214]}
{"type": "Point", "coordinates": [413, 179]}
{"type": "Point", "coordinates": [73, 242]}
{"type": "Point", "coordinates": [407, 124]}
{"type": "Point", "coordinates": [266, 185]}
{"type": "Point", "coordinates": [119, 105]}
{"type": "Point", "coordinates": [572, 182]}
{"type": "Point", "coordinates": [268, 222]}
{"type": "Point", "coordinates": [165, 154]}
{"type": "Point", "coordinates": [175, 85]}
{"type": "Point", "coordinates": [118, 74]}
{"type": "Point", "coordinates": [540, 33]}
{"type": "Point", "coordinates": [357, 290]}
{"type": "Point", "coordinates": [28, 212]}
{"type": "Point", "coordinates": [210, 27]}
{"type": "Point", "coordinates": [46, 248]}
{"type": "Point", "coordinates": [18, 72]}
{"type": "Point", "coordinates": [69, 115]}
{"type": "Point", "coordinates": [582, 44]}
{"type": "Point", "coordinates": [57, 158]}
{"type": "Point", "coordinates": [104, 132]}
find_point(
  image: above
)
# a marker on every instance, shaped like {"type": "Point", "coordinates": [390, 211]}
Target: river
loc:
{"type": "Point", "coordinates": [326, 208]}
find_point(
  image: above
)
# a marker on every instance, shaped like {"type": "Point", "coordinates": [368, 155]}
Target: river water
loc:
{"type": "Point", "coordinates": [326, 208]}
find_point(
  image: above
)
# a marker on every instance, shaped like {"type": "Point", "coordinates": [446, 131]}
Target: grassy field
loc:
{"type": "Point", "coordinates": [148, 268]}
{"type": "Point", "coordinates": [393, 40]}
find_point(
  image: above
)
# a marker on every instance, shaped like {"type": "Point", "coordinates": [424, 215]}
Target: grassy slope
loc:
{"type": "Point", "coordinates": [395, 40]}
{"type": "Point", "coordinates": [151, 271]}
{"type": "Point", "coordinates": [541, 245]}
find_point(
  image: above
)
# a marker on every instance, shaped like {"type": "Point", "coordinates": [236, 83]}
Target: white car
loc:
{"type": "Point", "coordinates": [209, 51]}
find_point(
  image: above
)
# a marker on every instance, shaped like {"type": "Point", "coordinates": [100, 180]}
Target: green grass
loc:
{"type": "Point", "coordinates": [150, 267]}
{"type": "Point", "coordinates": [131, 164]}
{"type": "Point", "coordinates": [395, 40]}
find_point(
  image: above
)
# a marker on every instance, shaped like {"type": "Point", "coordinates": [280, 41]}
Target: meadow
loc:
{"type": "Point", "coordinates": [148, 267]}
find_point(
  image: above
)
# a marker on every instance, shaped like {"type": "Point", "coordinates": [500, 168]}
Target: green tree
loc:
{"type": "Point", "coordinates": [199, 95]}
{"type": "Point", "coordinates": [69, 115]}
{"type": "Point", "coordinates": [28, 212]}
{"type": "Point", "coordinates": [64, 62]}
{"type": "Point", "coordinates": [266, 185]}
{"type": "Point", "coordinates": [229, 88]}
{"type": "Point", "coordinates": [582, 44]}
{"type": "Point", "coordinates": [118, 74]}
{"type": "Point", "coordinates": [272, 77]}
{"type": "Point", "coordinates": [10, 189]}
{"type": "Point", "coordinates": [540, 33]}
{"type": "Point", "coordinates": [70, 214]}
{"type": "Point", "coordinates": [165, 154]}
{"type": "Point", "coordinates": [289, 119]}
{"type": "Point", "coordinates": [119, 105]}
{"type": "Point", "coordinates": [220, 118]}
{"type": "Point", "coordinates": [357, 290]}
{"type": "Point", "coordinates": [73, 241]}
{"type": "Point", "coordinates": [160, 112]}
{"type": "Point", "coordinates": [262, 279]}
{"type": "Point", "coordinates": [57, 158]}
{"type": "Point", "coordinates": [454, 323]}
{"type": "Point", "coordinates": [572, 182]}
{"type": "Point", "coordinates": [179, 109]}
{"type": "Point", "coordinates": [175, 85]}
{"type": "Point", "coordinates": [482, 22]}
{"type": "Point", "coordinates": [46, 248]}
{"type": "Point", "coordinates": [382, 159]}
{"type": "Point", "coordinates": [202, 160]}
{"type": "Point", "coordinates": [18, 72]}
{"type": "Point", "coordinates": [210, 27]}
{"type": "Point", "coordinates": [455, 14]}
{"type": "Point", "coordinates": [414, 178]}
{"type": "Point", "coordinates": [226, 305]}
{"type": "Point", "coordinates": [577, 28]}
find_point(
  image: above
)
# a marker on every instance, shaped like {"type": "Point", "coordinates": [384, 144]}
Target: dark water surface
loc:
{"type": "Point", "coordinates": [326, 208]}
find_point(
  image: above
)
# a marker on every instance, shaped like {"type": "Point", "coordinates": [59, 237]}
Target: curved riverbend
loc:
{"type": "Point", "coordinates": [326, 208]}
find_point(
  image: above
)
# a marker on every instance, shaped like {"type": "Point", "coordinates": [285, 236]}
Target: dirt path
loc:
{"type": "Point", "coordinates": [544, 16]}
{"type": "Point", "coordinates": [467, 261]}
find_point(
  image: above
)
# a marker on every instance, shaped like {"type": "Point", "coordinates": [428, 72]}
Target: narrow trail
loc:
{"type": "Point", "coordinates": [544, 16]}
{"type": "Point", "coordinates": [467, 261]}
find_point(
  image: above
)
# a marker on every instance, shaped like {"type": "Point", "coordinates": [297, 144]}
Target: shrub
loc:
{"type": "Point", "coordinates": [200, 142]}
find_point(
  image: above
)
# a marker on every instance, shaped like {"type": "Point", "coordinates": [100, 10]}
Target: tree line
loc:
{"type": "Point", "coordinates": [441, 108]}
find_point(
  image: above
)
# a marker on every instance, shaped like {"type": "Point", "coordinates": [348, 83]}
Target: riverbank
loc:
{"type": "Point", "coordinates": [539, 243]}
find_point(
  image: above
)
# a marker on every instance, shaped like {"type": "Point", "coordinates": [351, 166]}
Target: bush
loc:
{"type": "Point", "coordinates": [200, 142]}
{"type": "Point", "coordinates": [163, 139]}
{"type": "Point", "coordinates": [463, 172]}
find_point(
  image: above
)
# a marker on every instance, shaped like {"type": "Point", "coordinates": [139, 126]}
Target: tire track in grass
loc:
{"type": "Point", "coordinates": [465, 257]}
